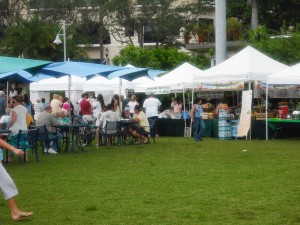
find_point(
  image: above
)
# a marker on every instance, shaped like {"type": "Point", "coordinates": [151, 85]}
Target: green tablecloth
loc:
{"type": "Point", "coordinates": [275, 123]}
{"type": "Point", "coordinates": [290, 128]}
{"type": "Point", "coordinates": [175, 128]}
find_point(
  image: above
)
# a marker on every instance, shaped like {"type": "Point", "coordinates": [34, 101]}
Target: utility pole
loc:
{"type": "Point", "coordinates": [221, 34]}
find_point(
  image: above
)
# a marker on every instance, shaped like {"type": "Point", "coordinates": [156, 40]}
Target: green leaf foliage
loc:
{"type": "Point", "coordinates": [158, 58]}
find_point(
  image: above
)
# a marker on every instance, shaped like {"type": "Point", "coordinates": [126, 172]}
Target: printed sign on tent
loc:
{"type": "Point", "coordinates": [158, 90]}
{"type": "Point", "coordinates": [277, 91]}
{"type": "Point", "coordinates": [236, 86]}
{"type": "Point", "coordinates": [245, 117]}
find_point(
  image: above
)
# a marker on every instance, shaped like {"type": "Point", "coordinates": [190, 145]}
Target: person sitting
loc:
{"type": "Point", "coordinates": [143, 129]}
{"type": "Point", "coordinates": [48, 119]}
{"type": "Point", "coordinates": [109, 115]}
{"type": "Point", "coordinates": [98, 126]}
{"type": "Point", "coordinates": [62, 117]}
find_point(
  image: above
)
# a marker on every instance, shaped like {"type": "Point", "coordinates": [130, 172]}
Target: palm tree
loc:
{"type": "Point", "coordinates": [254, 14]}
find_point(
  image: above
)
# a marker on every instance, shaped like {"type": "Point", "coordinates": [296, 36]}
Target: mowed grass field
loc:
{"type": "Point", "coordinates": [172, 182]}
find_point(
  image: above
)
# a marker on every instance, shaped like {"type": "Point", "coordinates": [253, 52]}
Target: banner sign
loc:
{"type": "Point", "coordinates": [158, 90]}
{"type": "Point", "coordinates": [237, 86]}
{"type": "Point", "coordinates": [245, 116]}
{"type": "Point", "coordinates": [276, 91]}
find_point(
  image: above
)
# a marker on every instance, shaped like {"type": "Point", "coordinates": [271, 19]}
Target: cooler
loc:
{"type": "Point", "coordinates": [283, 110]}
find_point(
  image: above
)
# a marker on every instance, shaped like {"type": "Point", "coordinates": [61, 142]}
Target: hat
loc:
{"type": "Point", "coordinates": [2, 93]}
{"type": "Point", "coordinates": [127, 108]}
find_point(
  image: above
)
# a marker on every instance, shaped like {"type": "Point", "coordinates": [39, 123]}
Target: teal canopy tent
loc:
{"type": "Point", "coordinates": [10, 64]}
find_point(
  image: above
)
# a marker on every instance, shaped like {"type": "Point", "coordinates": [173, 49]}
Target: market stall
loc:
{"type": "Point", "coordinates": [290, 77]}
{"type": "Point", "coordinates": [248, 65]}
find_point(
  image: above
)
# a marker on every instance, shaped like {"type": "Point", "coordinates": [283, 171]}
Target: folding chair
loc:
{"type": "Point", "coordinates": [24, 140]}
{"type": "Point", "coordinates": [152, 125]}
{"type": "Point", "coordinates": [44, 136]}
{"type": "Point", "coordinates": [110, 130]}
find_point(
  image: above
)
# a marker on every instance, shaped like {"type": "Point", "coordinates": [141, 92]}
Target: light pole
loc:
{"type": "Point", "coordinates": [58, 41]}
{"type": "Point", "coordinates": [106, 52]}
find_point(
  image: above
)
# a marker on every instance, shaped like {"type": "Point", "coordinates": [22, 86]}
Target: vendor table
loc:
{"type": "Point", "coordinates": [288, 127]}
{"type": "Point", "coordinates": [175, 127]}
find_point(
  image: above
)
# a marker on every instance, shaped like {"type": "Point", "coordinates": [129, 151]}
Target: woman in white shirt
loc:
{"type": "Point", "coordinates": [98, 108]}
{"type": "Point", "coordinates": [132, 103]}
{"type": "Point", "coordinates": [17, 119]}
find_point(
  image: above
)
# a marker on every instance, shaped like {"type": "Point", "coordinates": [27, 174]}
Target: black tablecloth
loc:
{"type": "Point", "coordinates": [175, 127]}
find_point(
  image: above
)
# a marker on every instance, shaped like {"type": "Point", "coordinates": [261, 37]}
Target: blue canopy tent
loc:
{"type": "Point", "coordinates": [132, 73]}
{"type": "Point", "coordinates": [19, 76]}
{"type": "Point", "coordinates": [81, 69]}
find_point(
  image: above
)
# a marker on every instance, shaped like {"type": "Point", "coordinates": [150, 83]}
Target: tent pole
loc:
{"type": "Point", "coordinates": [250, 113]}
{"type": "Point", "coordinates": [184, 117]}
{"type": "Point", "coordinates": [192, 103]}
{"type": "Point", "coordinates": [7, 92]}
{"type": "Point", "coordinates": [266, 110]}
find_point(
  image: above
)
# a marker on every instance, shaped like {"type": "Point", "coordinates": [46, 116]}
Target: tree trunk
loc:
{"type": "Point", "coordinates": [254, 16]}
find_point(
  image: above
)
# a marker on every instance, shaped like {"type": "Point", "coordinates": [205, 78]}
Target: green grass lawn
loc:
{"type": "Point", "coordinates": [173, 182]}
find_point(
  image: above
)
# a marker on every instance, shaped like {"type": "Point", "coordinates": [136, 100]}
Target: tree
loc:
{"type": "Point", "coordinates": [159, 21]}
{"type": "Point", "coordinates": [34, 39]}
{"type": "Point", "coordinates": [282, 48]}
{"type": "Point", "coordinates": [158, 58]}
{"type": "Point", "coordinates": [271, 13]}
{"type": "Point", "coordinates": [10, 11]}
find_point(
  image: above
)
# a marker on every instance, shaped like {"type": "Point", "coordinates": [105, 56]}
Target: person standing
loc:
{"type": "Point", "coordinates": [132, 103]}
{"type": "Point", "coordinates": [98, 107]}
{"type": "Point", "coordinates": [43, 102]}
{"type": "Point", "coordinates": [197, 120]}
{"type": "Point", "coordinates": [3, 103]}
{"type": "Point", "coordinates": [177, 108]}
{"type": "Point", "coordinates": [115, 103]}
{"type": "Point", "coordinates": [27, 103]}
{"type": "Point", "coordinates": [151, 106]}
{"type": "Point", "coordinates": [126, 101]}
{"type": "Point", "coordinates": [38, 108]}
{"type": "Point", "coordinates": [86, 108]}
{"type": "Point", "coordinates": [56, 104]}
{"type": "Point", "coordinates": [9, 188]}
{"type": "Point", "coordinates": [17, 120]}
{"type": "Point", "coordinates": [224, 123]}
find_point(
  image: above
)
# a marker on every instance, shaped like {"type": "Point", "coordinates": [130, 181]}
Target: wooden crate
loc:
{"type": "Point", "coordinates": [262, 116]}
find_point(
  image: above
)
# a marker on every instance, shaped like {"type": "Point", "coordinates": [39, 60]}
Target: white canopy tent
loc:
{"type": "Point", "coordinates": [288, 76]}
{"type": "Point", "coordinates": [246, 65]}
{"type": "Point", "coordinates": [58, 84]}
{"type": "Point", "coordinates": [41, 89]}
{"type": "Point", "coordinates": [106, 87]}
{"type": "Point", "coordinates": [176, 80]}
